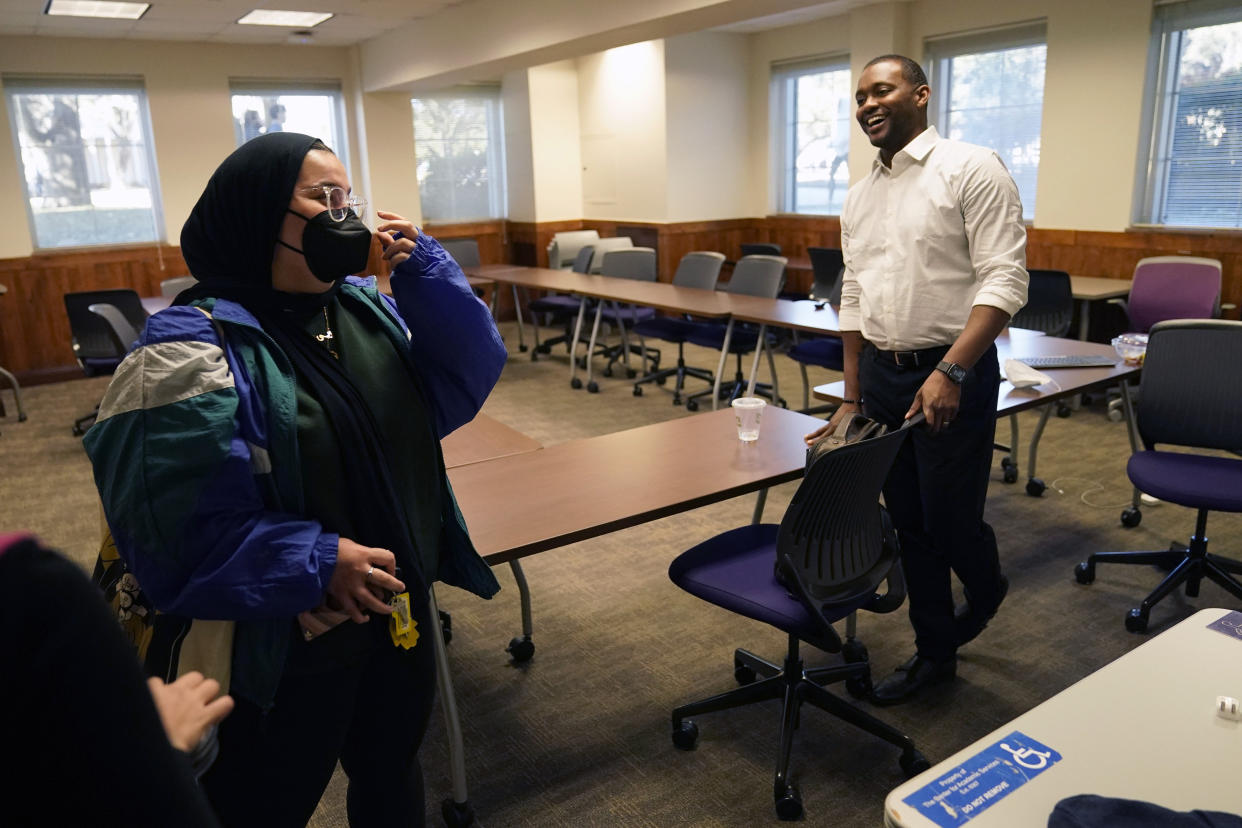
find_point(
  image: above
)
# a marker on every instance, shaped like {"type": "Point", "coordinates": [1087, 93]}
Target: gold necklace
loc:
{"type": "Point", "coordinates": [327, 336]}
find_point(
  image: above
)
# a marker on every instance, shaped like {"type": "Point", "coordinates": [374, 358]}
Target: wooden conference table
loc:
{"type": "Point", "coordinates": [1142, 727]}
{"type": "Point", "coordinates": [1065, 382]}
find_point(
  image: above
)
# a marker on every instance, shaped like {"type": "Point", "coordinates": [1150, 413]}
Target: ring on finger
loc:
{"type": "Point", "coordinates": [368, 575]}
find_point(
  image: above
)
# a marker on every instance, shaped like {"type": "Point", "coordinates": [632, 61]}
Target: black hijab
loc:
{"type": "Point", "coordinates": [228, 243]}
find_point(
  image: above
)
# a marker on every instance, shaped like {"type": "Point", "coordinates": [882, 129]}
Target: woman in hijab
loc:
{"type": "Point", "coordinates": [269, 454]}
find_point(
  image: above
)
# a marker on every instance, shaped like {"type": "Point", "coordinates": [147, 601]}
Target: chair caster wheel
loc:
{"type": "Point", "coordinates": [446, 626]}
{"type": "Point", "coordinates": [607, 372]}
{"type": "Point", "coordinates": [1084, 573]}
{"type": "Point", "coordinates": [593, 387]}
{"type": "Point", "coordinates": [630, 373]}
{"type": "Point", "coordinates": [523, 348]}
{"type": "Point", "coordinates": [1131, 517]}
{"type": "Point", "coordinates": [22, 418]}
{"type": "Point", "coordinates": [661, 380]}
{"type": "Point", "coordinates": [685, 735]}
{"type": "Point", "coordinates": [520, 648]}
{"type": "Point", "coordinates": [913, 763]}
{"type": "Point", "coordinates": [1010, 473]}
{"type": "Point", "coordinates": [692, 405]}
{"type": "Point", "coordinates": [742, 673]}
{"type": "Point", "coordinates": [1136, 621]}
{"type": "Point", "coordinates": [575, 383]}
{"type": "Point", "coordinates": [788, 804]}
{"type": "Point", "coordinates": [1035, 487]}
{"type": "Point", "coordinates": [78, 431]}
{"type": "Point", "coordinates": [638, 390]}
{"type": "Point", "coordinates": [854, 651]}
{"type": "Point", "coordinates": [1116, 415]}
{"type": "Point", "coordinates": [456, 814]}
{"type": "Point", "coordinates": [534, 355]}
{"type": "Point", "coordinates": [859, 688]}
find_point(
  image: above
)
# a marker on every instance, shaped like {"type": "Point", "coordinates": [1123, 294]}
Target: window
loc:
{"type": "Point", "coordinates": [1193, 175]}
{"type": "Point", "coordinates": [813, 113]}
{"type": "Point", "coordinates": [86, 161]}
{"type": "Point", "coordinates": [259, 108]}
{"type": "Point", "coordinates": [459, 145]}
{"type": "Point", "coordinates": [988, 89]}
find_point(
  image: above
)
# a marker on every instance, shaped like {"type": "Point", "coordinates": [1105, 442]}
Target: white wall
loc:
{"type": "Point", "coordinates": [187, 88]}
{"type": "Point", "coordinates": [519, 168]}
{"type": "Point", "coordinates": [393, 170]}
{"type": "Point", "coordinates": [621, 94]}
{"type": "Point", "coordinates": [708, 138]}
{"type": "Point", "coordinates": [555, 134]}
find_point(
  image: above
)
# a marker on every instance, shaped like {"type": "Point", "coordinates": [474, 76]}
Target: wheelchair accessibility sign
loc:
{"type": "Point", "coordinates": [982, 780]}
{"type": "Point", "coordinates": [1230, 624]}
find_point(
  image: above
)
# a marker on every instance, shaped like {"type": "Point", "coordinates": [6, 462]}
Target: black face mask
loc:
{"type": "Point", "coordinates": [333, 249]}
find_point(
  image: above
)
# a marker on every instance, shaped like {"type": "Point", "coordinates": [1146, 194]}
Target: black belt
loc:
{"type": "Point", "coordinates": [923, 358]}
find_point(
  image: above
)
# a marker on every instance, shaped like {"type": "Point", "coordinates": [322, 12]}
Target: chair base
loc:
{"type": "Point", "coordinates": [680, 371]}
{"type": "Point", "coordinates": [1187, 565]}
{"type": "Point", "coordinates": [794, 684]}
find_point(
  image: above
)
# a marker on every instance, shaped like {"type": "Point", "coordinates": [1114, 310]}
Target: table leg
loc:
{"type": "Point", "coordinates": [754, 363]}
{"type": "Point", "coordinates": [1127, 405]}
{"type": "Point", "coordinates": [1084, 318]}
{"type": "Point", "coordinates": [573, 343]}
{"type": "Point", "coordinates": [517, 309]}
{"type": "Point", "coordinates": [599, 314]}
{"type": "Point", "coordinates": [724, 356]}
{"type": "Point", "coordinates": [452, 723]}
{"type": "Point", "coordinates": [759, 504]}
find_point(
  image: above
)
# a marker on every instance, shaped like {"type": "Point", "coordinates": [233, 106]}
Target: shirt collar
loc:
{"type": "Point", "coordinates": [917, 149]}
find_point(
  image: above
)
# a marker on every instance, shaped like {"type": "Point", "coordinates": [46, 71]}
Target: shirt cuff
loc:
{"type": "Point", "coordinates": [998, 300]}
{"type": "Point", "coordinates": [849, 319]}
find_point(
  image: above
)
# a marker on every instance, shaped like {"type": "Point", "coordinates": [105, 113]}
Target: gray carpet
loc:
{"type": "Point", "coordinates": [580, 735]}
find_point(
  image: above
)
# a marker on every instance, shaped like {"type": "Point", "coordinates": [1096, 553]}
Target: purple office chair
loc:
{"type": "Point", "coordinates": [562, 307]}
{"type": "Point", "coordinates": [1173, 287]}
{"type": "Point", "coordinates": [1191, 376]}
{"type": "Point", "coordinates": [698, 270]}
{"type": "Point", "coordinates": [833, 549]}
{"type": "Point", "coordinates": [1170, 287]}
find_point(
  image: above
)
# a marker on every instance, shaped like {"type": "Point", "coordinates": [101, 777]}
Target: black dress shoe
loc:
{"type": "Point", "coordinates": [969, 621]}
{"type": "Point", "coordinates": [911, 678]}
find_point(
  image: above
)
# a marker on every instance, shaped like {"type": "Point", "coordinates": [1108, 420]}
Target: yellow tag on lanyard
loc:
{"type": "Point", "coordinates": [401, 625]}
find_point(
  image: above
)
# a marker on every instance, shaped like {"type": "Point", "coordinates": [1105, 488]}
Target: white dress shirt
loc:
{"type": "Point", "coordinates": [925, 241]}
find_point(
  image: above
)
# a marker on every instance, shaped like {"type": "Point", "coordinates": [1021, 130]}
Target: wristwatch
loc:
{"type": "Point", "coordinates": [953, 371]}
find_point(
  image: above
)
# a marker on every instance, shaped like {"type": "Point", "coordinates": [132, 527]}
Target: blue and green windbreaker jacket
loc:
{"type": "Point", "coordinates": [196, 459]}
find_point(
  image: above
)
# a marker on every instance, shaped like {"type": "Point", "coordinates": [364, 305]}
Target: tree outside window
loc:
{"type": "Point", "coordinates": [813, 141]}
{"type": "Point", "coordinates": [459, 154]}
{"type": "Point", "coordinates": [85, 165]}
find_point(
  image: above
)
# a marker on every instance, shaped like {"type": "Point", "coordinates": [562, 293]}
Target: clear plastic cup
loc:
{"type": "Point", "coordinates": [749, 413]}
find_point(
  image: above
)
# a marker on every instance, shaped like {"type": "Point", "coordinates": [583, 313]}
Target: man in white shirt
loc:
{"type": "Point", "coordinates": [935, 265]}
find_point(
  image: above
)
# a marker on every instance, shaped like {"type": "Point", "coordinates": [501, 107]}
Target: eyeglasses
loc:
{"type": "Point", "coordinates": [340, 203]}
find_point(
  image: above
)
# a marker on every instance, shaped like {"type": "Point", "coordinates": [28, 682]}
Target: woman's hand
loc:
{"type": "Point", "coordinates": [360, 572]}
{"type": "Point", "coordinates": [837, 416]}
{"type": "Point", "coordinates": [396, 250]}
{"type": "Point", "coordinates": [189, 706]}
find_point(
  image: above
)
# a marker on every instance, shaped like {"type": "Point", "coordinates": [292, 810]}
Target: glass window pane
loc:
{"type": "Point", "coordinates": [995, 100]}
{"type": "Point", "coordinates": [1202, 168]}
{"type": "Point", "coordinates": [813, 140]}
{"type": "Point", "coordinates": [311, 113]}
{"type": "Point", "coordinates": [458, 147]}
{"type": "Point", "coordinates": [86, 167]}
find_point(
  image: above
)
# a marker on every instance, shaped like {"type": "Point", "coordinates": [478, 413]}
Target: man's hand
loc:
{"type": "Point", "coordinates": [360, 572]}
{"type": "Point", "coordinates": [189, 706]}
{"type": "Point", "coordinates": [938, 399]}
{"type": "Point", "coordinates": [837, 416]}
{"type": "Point", "coordinates": [396, 250]}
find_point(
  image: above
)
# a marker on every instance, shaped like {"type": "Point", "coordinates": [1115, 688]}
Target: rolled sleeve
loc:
{"type": "Point", "coordinates": [992, 210]}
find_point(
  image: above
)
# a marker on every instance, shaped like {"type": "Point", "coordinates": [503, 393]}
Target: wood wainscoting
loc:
{"type": "Point", "coordinates": [35, 338]}
{"type": "Point", "coordinates": [35, 341]}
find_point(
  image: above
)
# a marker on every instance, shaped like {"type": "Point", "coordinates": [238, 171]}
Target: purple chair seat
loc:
{"type": "Point", "coordinates": [627, 316]}
{"type": "Point", "coordinates": [664, 327]}
{"type": "Point", "coordinates": [736, 571]}
{"type": "Point", "coordinates": [556, 303]}
{"type": "Point", "coordinates": [711, 335]}
{"type": "Point", "coordinates": [827, 352]}
{"type": "Point", "coordinates": [1194, 480]}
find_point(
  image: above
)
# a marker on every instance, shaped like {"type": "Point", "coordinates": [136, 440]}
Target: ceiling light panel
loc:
{"type": "Point", "coordinates": [276, 17]}
{"type": "Point", "coordinates": [96, 8]}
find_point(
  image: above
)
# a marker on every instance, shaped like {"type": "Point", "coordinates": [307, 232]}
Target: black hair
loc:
{"type": "Point", "coordinates": [320, 145]}
{"type": "Point", "coordinates": [910, 70]}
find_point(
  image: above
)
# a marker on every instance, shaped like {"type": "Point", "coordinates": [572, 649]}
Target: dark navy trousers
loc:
{"type": "Point", "coordinates": [936, 492]}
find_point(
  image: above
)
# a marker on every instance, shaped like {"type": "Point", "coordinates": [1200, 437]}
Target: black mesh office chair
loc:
{"type": "Point", "coordinates": [1049, 308]}
{"type": "Point", "coordinates": [760, 249]}
{"type": "Point", "coordinates": [826, 560]}
{"type": "Point", "coordinates": [1191, 375]}
{"type": "Point", "coordinates": [98, 342]}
